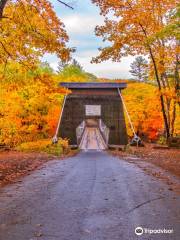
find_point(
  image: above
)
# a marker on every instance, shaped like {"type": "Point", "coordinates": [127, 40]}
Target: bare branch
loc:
{"type": "Point", "coordinates": [67, 5]}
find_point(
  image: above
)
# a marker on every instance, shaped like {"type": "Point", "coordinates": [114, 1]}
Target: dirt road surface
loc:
{"type": "Point", "coordinates": [92, 196]}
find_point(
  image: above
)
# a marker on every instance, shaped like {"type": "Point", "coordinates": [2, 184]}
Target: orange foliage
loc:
{"type": "Point", "coordinates": [145, 27]}
{"type": "Point", "coordinates": [52, 119]}
{"type": "Point", "coordinates": [29, 110]}
{"type": "Point", "coordinates": [145, 110]}
{"type": "Point", "coordinates": [29, 30]}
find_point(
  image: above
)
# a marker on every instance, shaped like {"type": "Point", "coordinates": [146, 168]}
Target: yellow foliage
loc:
{"type": "Point", "coordinates": [29, 110]}
{"type": "Point", "coordinates": [29, 30]}
{"type": "Point", "coordinates": [45, 145]}
{"type": "Point", "coordinates": [144, 106]}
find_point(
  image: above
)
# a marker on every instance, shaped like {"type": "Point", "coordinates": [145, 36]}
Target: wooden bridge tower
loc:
{"type": "Point", "coordinates": [94, 103]}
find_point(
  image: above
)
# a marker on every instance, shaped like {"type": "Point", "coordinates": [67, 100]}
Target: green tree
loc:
{"type": "Point", "coordinates": [45, 67]}
{"type": "Point", "coordinates": [63, 64]}
{"type": "Point", "coordinates": [76, 64]}
{"type": "Point", "coordinates": [139, 69]}
{"type": "Point", "coordinates": [73, 72]}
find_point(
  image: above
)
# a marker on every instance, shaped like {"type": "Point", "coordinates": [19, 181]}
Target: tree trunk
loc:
{"type": "Point", "coordinates": [2, 6]}
{"type": "Point", "coordinates": [161, 96]}
{"type": "Point", "coordinates": [177, 83]}
{"type": "Point", "coordinates": [176, 75]}
{"type": "Point", "coordinates": [167, 127]}
{"type": "Point", "coordinates": [173, 119]}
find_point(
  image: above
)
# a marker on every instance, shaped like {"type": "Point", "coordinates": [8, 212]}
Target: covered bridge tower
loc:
{"type": "Point", "coordinates": [97, 107]}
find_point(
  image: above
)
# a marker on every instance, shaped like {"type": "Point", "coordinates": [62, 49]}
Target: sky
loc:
{"type": "Point", "coordinates": [80, 24]}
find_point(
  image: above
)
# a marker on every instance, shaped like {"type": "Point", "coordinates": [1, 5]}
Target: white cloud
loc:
{"type": "Point", "coordinates": [80, 27]}
{"type": "Point", "coordinates": [54, 65]}
{"type": "Point", "coordinates": [106, 69]}
{"type": "Point", "coordinates": [81, 24]}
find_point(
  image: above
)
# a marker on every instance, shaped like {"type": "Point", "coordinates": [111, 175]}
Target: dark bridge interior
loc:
{"type": "Point", "coordinates": [93, 115]}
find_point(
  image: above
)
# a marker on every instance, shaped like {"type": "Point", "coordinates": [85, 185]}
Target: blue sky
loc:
{"type": "Point", "coordinates": [80, 24]}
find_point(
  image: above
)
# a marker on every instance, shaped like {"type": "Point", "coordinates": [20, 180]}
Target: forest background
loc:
{"type": "Point", "coordinates": [31, 98]}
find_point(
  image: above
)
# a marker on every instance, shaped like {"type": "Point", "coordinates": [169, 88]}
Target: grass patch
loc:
{"type": "Point", "coordinates": [45, 146]}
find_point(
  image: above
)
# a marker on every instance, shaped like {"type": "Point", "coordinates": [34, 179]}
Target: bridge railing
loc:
{"type": "Point", "coordinates": [79, 131]}
{"type": "Point", "coordinates": [104, 131]}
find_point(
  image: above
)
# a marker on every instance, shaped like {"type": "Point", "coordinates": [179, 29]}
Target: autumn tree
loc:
{"type": "Point", "coordinates": [171, 31]}
{"type": "Point", "coordinates": [31, 101]}
{"type": "Point", "coordinates": [29, 104]}
{"type": "Point", "coordinates": [139, 69]}
{"type": "Point", "coordinates": [144, 107]}
{"type": "Point", "coordinates": [134, 29]}
{"type": "Point", "coordinates": [3, 4]}
{"type": "Point", "coordinates": [29, 29]}
{"type": "Point", "coordinates": [30, 96]}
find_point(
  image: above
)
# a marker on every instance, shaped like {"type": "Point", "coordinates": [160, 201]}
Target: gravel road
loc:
{"type": "Point", "coordinates": [92, 196]}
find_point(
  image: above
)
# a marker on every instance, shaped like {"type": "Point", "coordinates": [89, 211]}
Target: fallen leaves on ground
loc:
{"type": "Point", "coordinates": [166, 159]}
{"type": "Point", "coordinates": [15, 164]}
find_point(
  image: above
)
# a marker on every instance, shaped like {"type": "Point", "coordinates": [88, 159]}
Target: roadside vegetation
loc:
{"type": "Point", "coordinates": [143, 103]}
{"type": "Point", "coordinates": [30, 96]}
{"type": "Point", "coordinates": [45, 146]}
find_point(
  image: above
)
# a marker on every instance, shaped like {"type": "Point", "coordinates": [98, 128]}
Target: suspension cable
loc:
{"type": "Point", "coordinates": [127, 113]}
{"type": "Point", "coordinates": [55, 138]}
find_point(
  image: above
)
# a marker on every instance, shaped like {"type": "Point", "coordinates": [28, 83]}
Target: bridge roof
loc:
{"type": "Point", "coordinates": [95, 85]}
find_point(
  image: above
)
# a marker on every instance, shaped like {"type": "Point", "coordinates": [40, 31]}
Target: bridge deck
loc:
{"type": "Point", "coordinates": [92, 140]}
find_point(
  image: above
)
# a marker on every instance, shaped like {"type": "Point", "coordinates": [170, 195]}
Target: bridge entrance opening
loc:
{"type": "Point", "coordinates": [93, 116]}
{"type": "Point", "coordinates": [92, 140]}
{"type": "Point", "coordinates": [92, 134]}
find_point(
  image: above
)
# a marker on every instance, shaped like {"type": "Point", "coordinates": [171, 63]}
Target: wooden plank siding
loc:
{"type": "Point", "coordinates": [112, 113]}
